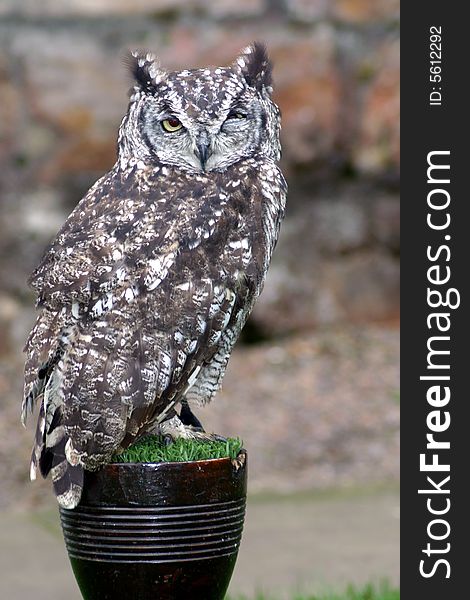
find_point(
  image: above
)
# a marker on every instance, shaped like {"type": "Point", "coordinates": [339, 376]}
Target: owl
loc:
{"type": "Point", "coordinates": [147, 286]}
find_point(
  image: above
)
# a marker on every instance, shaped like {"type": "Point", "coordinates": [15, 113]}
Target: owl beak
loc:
{"type": "Point", "coordinates": [203, 150]}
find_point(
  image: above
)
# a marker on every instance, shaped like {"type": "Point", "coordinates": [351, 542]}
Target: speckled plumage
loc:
{"type": "Point", "coordinates": [146, 287]}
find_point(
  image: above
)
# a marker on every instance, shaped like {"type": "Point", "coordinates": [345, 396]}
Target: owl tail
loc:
{"type": "Point", "coordinates": [49, 455]}
{"type": "Point", "coordinates": [67, 479]}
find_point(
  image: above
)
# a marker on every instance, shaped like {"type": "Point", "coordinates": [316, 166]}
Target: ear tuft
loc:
{"type": "Point", "coordinates": [255, 66]}
{"type": "Point", "coordinates": [145, 69]}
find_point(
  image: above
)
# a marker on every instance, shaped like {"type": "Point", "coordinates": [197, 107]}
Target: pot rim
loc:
{"type": "Point", "coordinates": [210, 481]}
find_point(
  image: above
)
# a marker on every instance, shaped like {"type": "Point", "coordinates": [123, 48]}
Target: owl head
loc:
{"type": "Point", "coordinates": [201, 119]}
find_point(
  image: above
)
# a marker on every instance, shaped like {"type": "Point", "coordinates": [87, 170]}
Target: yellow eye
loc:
{"type": "Point", "coordinates": [171, 125]}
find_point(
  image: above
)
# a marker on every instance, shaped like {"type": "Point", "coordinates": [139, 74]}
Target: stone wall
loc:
{"type": "Point", "coordinates": [63, 92]}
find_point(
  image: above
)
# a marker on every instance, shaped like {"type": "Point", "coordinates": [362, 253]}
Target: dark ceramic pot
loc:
{"type": "Point", "coordinates": [164, 531]}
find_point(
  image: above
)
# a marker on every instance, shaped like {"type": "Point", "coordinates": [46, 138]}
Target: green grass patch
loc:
{"type": "Point", "coordinates": [152, 449]}
{"type": "Point", "coordinates": [369, 592]}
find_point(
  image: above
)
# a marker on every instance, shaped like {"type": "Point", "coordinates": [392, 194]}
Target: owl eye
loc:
{"type": "Point", "coordinates": [236, 114]}
{"type": "Point", "coordinates": [171, 125]}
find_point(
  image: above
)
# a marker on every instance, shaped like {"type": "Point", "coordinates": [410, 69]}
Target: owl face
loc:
{"type": "Point", "coordinates": [204, 119]}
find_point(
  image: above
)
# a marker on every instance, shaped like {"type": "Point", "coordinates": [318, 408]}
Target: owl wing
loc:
{"type": "Point", "coordinates": [146, 288]}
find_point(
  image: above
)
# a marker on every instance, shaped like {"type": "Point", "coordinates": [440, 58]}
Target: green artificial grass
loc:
{"type": "Point", "coordinates": [369, 592]}
{"type": "Point", "coordinates": [152, 449]}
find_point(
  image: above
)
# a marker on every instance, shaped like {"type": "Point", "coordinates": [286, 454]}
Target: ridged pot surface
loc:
{"type": "Point", "coordinates": [161, 531]}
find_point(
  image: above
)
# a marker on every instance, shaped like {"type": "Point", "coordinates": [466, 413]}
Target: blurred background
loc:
{"type": "Point", "coordinates": [312, 388]}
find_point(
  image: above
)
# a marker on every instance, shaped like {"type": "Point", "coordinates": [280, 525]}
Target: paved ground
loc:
{"type": "Point", "coordinates": [297, 542]}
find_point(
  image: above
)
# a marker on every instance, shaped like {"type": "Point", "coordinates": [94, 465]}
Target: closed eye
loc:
{"type": "Point", "coordinates": [236, 114]}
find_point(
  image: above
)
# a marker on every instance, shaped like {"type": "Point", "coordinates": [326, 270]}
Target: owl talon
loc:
{"type": "Point", "coordinates": [187, 417]}
{"type": "Point", "coordinates": [218, 438]}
